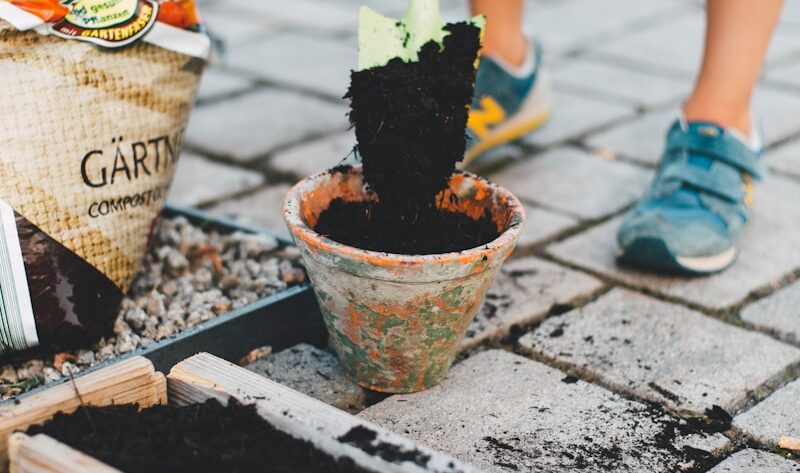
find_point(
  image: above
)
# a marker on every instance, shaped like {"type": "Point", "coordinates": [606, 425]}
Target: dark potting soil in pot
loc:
{"type": "Point", "coordinates": [199, 438]}
{"type": "Point", "coordinates": [410, 120]}
{"type": "Point", "coordinates": [371, 226]}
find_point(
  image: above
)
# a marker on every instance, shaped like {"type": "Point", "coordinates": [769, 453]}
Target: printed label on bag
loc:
{"type": "Point", "coordinates": [175, 25]}
{"type": "Point", "coordinates": [17, 325]}
{"type": "Point", "coordinates": [108, 23]}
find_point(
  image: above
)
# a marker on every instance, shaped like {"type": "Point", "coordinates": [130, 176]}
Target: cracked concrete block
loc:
{"type": "Point", "coordinates": [313, 372]}
{"type": "Point", "coordinates": [505, 413]}
{"type": "Point", "coordinates": [663, 352]}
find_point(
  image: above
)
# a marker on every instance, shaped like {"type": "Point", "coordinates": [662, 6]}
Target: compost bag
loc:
{"type": "Point", "coordinates": [95, 98]}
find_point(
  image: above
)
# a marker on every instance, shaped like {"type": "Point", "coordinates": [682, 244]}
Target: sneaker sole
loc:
{"type": "Point", "coordinates": [534, 112]}
{"type": "Point", "coordinates": [652, 253]}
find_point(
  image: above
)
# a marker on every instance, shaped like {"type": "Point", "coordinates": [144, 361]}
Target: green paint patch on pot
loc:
{"type": "Point", "coordinates": [381, 39]}
{"type": "Point", "coordinates": [434, 334]}
{"type": "Point", "coordinates": [454, 297]}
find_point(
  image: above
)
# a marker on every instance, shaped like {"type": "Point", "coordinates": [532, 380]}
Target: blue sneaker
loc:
{"type": "Point", "coordinates": [690, 218]}
{"type": "Point", "coordinates": [506, 107]}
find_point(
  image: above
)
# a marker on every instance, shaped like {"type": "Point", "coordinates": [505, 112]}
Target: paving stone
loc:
{"type": "Point", "coordinates": [250, 125]}
{"type": "Point", "coordinates": [756, 461]}
{"type": "Point", "coordinates": [662, 352]}
{"type": "Point", "coordinates": [629, 86]}
{"type": "Point", "coordinates": [767, 252]}
{"type": "Point", "coordinates": [541, 224]}
{"type": "Point", "coordinates": [642, 139]}
{"type": "Point", "coordinates": [262, 208]}
{"type": "Point", "coordinates": [314, 156]}
{"type": "Point", "coordinates": [778, 313]}
{"type": "Point", "coordinates": [313, 372]}
{"type": "Point", "coordinates": [573, 116]}
{"type": "Point", "coordinates": [785, 159]}
{"type": "Point", "coordinates": [524, 291]}
{"type": "Point", "coordinates": [575, 182]}
{"type": "Point", "coordinates": [676, 45]}
{"type": "Point", "coordinates": [199, 180]}
{"type": "Point", "coordinates": [791, 13]}
{"type": "Point", "coordinates": [233, 30]}
{"type": "Point", "coordinates": [774, 417]}
{"type": "Point", "coordinates": [314, 15]}
{"type": "Point", "coordinates": [785, 73]}
{"type": "Point", "coordinates": [216, 83]}
{"type": "Point", "coordinates": [299, 60]}
{"type": "Point", "coordinates": [502, 412]}
{"type": "Point", "coordinates": [566, 25]}
{"type": "Point", "coordinates": [776, 111]}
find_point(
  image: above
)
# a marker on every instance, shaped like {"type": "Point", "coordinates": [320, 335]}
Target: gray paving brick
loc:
{"type": "Point", "coordinates": [766, 252]}
{"type": "Point", "coordinates": [297, 59]}
{"type": "Point", "coordinates": [629, 86]}
{"type": "Point", "coordinates": [314, 156]}
{"type": "Point", "coordinates": [253, 124]}
{"type": "Point", "coordinates": [313, 372]}
{"type": "Point", "coordinates": [262, 208]}
{"type": "Point", "coordinates": [566, 25]}
{"type": "Point", "coordinates": [791, 13]}
{"type": "Point", "coordinates": [575, 182]}
{"type": "Point", "coordinates": [642, 139]}
{"type": "Point", "coordinates": [313, 15]}
{"type": "Point", "coordinates": [774, 417]}
{"type": "Point", "coordinates": [776, 110]}
{"type": "Point", "coordinates": [524, 291]}
{"type": "Point", "coordinates": [785, 73]}
{"type": "Point", "coordinates": [676, 45]}
{"type": "Point", "coordinates": [541, 224]}
{"type": "Point", "coordinates": [756, 461]}
{"type": "Point", "coordinates": [503, 413]}
{"type": "Point", "coordinates": [778, 313]}
{"type": "Point", "coordinates": [785, 159]}
{"type": "Point", "coordinates": [217, 83]}
{"type": "Point", "coordinates": [199, 180]}
{"type": "Point", "coordinates": [574, 115]}
{"type": "Point", "coordinates": [662, 352]}
{"type": "Point", "coordinates": [233, 29]}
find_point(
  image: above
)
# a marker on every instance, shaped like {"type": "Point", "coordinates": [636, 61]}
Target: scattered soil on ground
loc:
{"type": "Point", "coordinates": [366, 440]}
{"type": "Point", "coordinates": [410, 120]}
{"type": "Point", "coordinates": [193, 439]}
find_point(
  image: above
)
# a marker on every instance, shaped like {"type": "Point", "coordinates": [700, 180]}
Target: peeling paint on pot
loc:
{"type": "Point", "coordinates": [396, 321]}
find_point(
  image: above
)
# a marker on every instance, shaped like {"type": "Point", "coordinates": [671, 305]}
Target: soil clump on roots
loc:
{"type": "Point", "coordinates": [200, 438]}
{"type": "Point", "coordinates": [410, 120]}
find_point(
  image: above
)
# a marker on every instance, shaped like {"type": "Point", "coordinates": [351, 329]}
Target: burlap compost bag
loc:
{"type": "Point", "coordinates": [89, 140]}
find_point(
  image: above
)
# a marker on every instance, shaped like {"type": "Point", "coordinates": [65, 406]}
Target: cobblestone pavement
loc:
{"type": "Point", "coordinates": [574, 362]}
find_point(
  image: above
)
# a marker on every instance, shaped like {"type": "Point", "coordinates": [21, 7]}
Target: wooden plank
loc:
{"type": "Point", "coordinates": [43, 454]}
{"type": "Point", "coordinates": [131, 381]}
{"type": "Point", "coordinates": [205, 376]}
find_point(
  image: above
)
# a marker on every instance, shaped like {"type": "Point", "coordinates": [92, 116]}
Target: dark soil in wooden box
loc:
{"type": "Point", "coordinates": [199, 438]}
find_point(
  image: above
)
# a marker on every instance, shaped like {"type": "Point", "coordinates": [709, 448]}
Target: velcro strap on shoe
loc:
{"type": "Point", "coordinates": [724, 149]}
{"type": "Point", "coordinates": [703, 180]}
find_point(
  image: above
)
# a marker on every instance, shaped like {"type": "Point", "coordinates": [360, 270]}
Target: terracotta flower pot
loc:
{"type": "Point", "coordinates": [396, 321]}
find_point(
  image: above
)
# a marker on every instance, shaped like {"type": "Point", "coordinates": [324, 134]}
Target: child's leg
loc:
{"type": "Point", "coordinates": [737, 36]}
{"type": "Point", "coordinates": [503, 36]}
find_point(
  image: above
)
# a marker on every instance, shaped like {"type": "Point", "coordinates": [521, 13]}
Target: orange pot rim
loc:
{"type": "Point", "coordinates": [299, 228]}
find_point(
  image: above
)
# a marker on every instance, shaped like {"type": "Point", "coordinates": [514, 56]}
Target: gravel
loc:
{"type": "Point", "coordinates": [190, 276]}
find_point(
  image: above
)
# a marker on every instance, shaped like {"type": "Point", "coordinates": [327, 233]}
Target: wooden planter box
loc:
{"type": "Point", "coordinates": [194, 380]}
{"type": "Point", "coordinates": [280, 321]}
